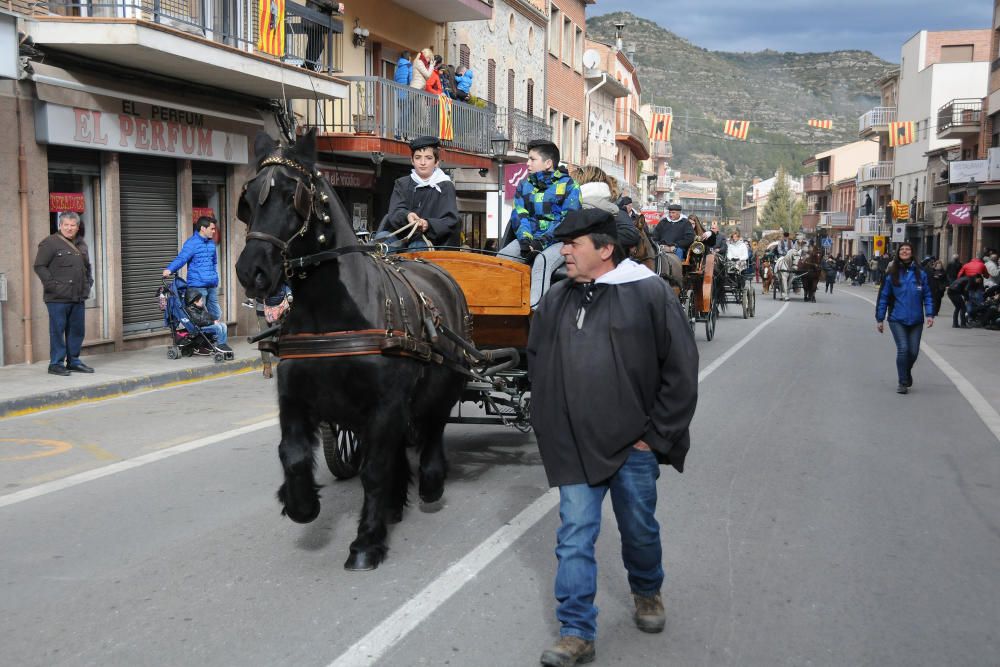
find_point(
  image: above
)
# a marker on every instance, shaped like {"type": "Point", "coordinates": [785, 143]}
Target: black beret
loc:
{"type": "Point", "coordinates": [586, 221]}
{"type": "Point", "coordinates": [674, 207]}
{"type": "Point", "coordinates": [625, 201]}
{"type": "Point", "coordinates": [425, 142]}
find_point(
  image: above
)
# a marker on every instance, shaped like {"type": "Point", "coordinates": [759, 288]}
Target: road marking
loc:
{"type": "Point", "coordinates": [49, 448]}
{"type": "Point", "coordinates": [375, 644]}
{"type": "Point", "coordinates": [968, 390]}
{"type": "Point", "coordinates": [128, 464]}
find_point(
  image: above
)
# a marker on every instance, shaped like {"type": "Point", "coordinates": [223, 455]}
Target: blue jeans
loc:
{"type": "Point", "coordinates": [680, 252]}
{"type": "Point", "coordinates": [633, 498]}
{"type": "Point", "coordinates": [543, 266]}
{"type": "Point", "coordinates": [66, 329]}
{"type": "Point", "coordinates": [907, 337]}
{"type": "Point", "coordinates": [211, 295]}
{"type": "Point", "coordinates": [220, 331]}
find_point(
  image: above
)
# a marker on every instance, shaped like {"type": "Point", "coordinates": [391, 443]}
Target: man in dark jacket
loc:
{"type": "Point", "coordinates": [198, 253]}
{"type": "Point", "coordinates": [63, 265]}
{"type": "Point", "coordinates": [674, 232]}
{"type": "Point", "coordinates": [614, 375]}
{"type": "Point", "coordinates": [954, 266]}
{"type": "Point", "coordinates": [423, 204]}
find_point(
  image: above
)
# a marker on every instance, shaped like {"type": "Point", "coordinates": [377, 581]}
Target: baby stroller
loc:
{"type": "Point", "coordinates": [187, 338]}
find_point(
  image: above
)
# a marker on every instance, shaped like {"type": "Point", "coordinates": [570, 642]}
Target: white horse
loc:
{"type": "Point", "coordinates": [784, 271]}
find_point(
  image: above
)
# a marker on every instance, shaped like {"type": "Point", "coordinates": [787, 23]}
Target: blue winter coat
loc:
{"type": "Point", "coordinates": [200, 256]}
{"type": "Point", "coordinates": [404, 72]}
{"type": "Point", "coordinates": [910, 300]}
{"type": "Point", "coordinates": [464, 82]}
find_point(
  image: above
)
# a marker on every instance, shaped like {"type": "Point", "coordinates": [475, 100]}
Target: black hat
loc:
{"type": "Point", "coordinates": [425, 142]}
{"type": "Point", "coordinates": [586, 221]}
{"type": "Point", "coordinates": [674, 207]}
{"type": "Point", "coordinates": [192, 296]}
{"type": "Point", "coordinates": [625, 201]}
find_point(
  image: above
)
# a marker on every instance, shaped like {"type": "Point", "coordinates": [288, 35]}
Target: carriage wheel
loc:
{"type": "Point", "coordinates": [713, 315]}
{"type": "Point", "coordinates": [753, 304]}
{"type": "Point", "coordinates": [692, 314]}
{"type": "Point", "coordinates": [341, 450]}
{"type": "Point", "coordinates": [745, 302]}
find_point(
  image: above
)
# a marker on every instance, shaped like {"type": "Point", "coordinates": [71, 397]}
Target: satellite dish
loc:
{"type": "Point", "coordinates": [591, 59]}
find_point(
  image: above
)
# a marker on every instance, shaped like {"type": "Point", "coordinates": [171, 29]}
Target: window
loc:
{"type": "Point", "coordinates": [464, 58]}
{"type": "Point", "coordinates": [530, 106]}
{"type": "Point", "coordinates": [555, 30]}
{"type": "Point", "coordinates": [510, 90]}
{"type": "Point", "coordinates": [567, 41]}
{"type": "Point", "coordinates": [578, 50]}
{"type": "Point", "coordinates": [958, 53]}
{"type": "Point", "coordinates": [576, 144]}
{"type": "Point", "coordinates": [511, 28]}
{"type": "Point", "coordinates": [554, 124]}
{"type": "Point", "coordinates": [566, 144]}
{"type": "Point", "coordinates": [491, 81]}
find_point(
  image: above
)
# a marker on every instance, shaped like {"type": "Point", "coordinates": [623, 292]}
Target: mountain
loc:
{"type": "Point", "coordinates": [776, 91]}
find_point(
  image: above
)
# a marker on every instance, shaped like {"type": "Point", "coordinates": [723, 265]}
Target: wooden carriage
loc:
{"type": "Point", "coordinates": [698, 291]}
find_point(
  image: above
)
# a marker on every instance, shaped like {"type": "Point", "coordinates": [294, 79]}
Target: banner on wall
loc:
{"type": "Point", "coordinates": [66, 201]}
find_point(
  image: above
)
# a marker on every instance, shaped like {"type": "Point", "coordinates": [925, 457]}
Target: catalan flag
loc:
{"type": "Point", "coordinates": [271, 27]}
{"type": "Point", "coordinates": [446, 124]}
{"type": "Point", "coordinates": [662, 124]}
{"type": "Point", "coordinates": [737, 129]}
{"type": "Point", "coordinates": [820, 124]}
{"type": "Point", "coordinates": [900, 133]}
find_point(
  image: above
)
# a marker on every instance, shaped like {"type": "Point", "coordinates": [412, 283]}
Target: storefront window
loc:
{"type": "Point", "coordinates": [75, 186]}
{"type": "Point", "coordinates": [208, 198]}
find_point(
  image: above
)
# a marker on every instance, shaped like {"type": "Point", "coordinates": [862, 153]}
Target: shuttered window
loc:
{"type": "Point", "coordinates": [148, 195]}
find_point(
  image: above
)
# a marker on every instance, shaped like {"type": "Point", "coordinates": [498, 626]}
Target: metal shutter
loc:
{"type": "Point", "coordinates": [148, 195]}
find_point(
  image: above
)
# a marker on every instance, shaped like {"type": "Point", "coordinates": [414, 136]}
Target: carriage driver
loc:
{"type": "Point", "coordinates": [614, 376]}
{"type": "Point", "coordinates": [674, 232]}
{"type": "Point", "coordinates": [423, 206]}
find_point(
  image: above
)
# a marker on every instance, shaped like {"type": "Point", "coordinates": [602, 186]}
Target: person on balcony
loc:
{"type": "Point", "coordinates": [423, 65]}
{"type": "Point", "coordinates": [463, 82]}
{"type": "Point", "coordinates": [434, 83]}
{"type": "Point", "coordinates": [423, 209]}
{"type": "Point", "coordinates": [402, 76]}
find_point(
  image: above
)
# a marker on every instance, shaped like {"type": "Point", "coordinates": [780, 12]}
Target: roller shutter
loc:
{"type": "Point", "coordinates": [148, 195]}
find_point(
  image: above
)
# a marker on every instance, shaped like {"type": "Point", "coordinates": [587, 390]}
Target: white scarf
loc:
{"type": "Point", "coordinates": [437, 176]}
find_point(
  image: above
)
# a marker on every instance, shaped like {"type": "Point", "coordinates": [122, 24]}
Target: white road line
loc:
{"type": "Point", "coordinates": [121, 466]}
{"type": "Point", "coordinates": [375, 644]}
{"type": "Point", "coordinates": [978, 402]}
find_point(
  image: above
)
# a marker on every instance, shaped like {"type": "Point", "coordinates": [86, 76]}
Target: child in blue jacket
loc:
{"type": "Point", "coordinates": [463, 81]}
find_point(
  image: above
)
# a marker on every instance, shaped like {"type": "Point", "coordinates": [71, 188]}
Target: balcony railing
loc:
{"type": "Point", "coordinates": [386, 109]}
{"type": "Point", "coordinates": [817, 182]}
{"type": "Point", "coordinates": [876, 118]}
{"type": "Point", "coordinates": [959, 114]}
{"type": "Point", "coordinates": [634, 126]}
{"type": "Point", "coordinates": [662, 149]}
{"type": "Point", "coordinates": [309, 34]}
{"type": "Point", "coordinates": [663, 183]}
{"type": "Point", "coordinates": [871, 225]}
{"type": "Point", "coordinates": [874, 172]}
{"type": "Point", "coordinates": [834, 220]}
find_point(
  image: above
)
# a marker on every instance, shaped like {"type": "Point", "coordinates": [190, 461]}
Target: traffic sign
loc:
{"type": "Point", "coordinates": [879, 245]}
{"type": "Point", "coordinates": [898, 233]}
{"type": "Point", "coordinates": [827, 242]}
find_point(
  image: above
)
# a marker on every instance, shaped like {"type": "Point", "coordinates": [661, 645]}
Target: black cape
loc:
{"type": "Point", "coordinates": [629, 373]}
{"type": "Point", "coordinates": [439, 209]}
{"type": "Point", "coordinates": [679, 233]}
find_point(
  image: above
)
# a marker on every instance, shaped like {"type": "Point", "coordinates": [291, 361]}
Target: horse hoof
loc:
{"type": "Point", "coordinates": [302, 517]}
{"type": "Point", "coordinates": [394, 515]}
{"type": "Point", "coordinates": [362, 561]}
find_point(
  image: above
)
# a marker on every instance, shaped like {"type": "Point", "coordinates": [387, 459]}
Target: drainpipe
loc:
{"type": "Point", "coordinates": [586, 120]}
{"type": "Point", "coordinates": [22, 194]}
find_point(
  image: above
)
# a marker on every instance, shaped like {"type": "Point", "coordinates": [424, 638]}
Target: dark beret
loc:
{"type": "Point", "coordinates": [625, 201]}
{"type": "Point", "coordinates": [674, 207]}
{"type": "Point", "coordinates": [425, 142]}
{"type": "Point", "coordinates": [586, 221]}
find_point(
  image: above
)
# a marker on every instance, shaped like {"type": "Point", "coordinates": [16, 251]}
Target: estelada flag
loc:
{"type": "Point", "coordinates": [901, 133]}
{"type": "Point", "coordinates": [737, 128]}
{"type": "Point", "coordinates": [821, 124]}
{"type": "Point", "coordinates": [271, 27]}
{"type": "Point", "coordinates": [662, 124]}
{"type": "Point", "coordinates": [446, 125]}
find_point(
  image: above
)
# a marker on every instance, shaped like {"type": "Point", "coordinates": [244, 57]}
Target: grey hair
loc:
{"type": "Point", "coordinates": [69, 215]}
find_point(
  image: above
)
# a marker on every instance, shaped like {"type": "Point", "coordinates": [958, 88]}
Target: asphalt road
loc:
{"type": "Point", "coordinates": [823, 520]}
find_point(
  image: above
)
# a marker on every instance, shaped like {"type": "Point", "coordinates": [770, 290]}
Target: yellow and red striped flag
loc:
{"type": "Point", "coordinates": [446, 125]}
{"type": "Point", "coordinates": [900, 133]}
{"type": "Point", "coordinates": [821, 124]}
{"type": "Point", "coordinates": [737, 129]}
{"type": "Point", "coordinates": [662, 124]}
{"type": "Point", "coordinates": [271, 27]}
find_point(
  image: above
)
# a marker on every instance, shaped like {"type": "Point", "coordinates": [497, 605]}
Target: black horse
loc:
{"type": "Point", "coordinates": [358, 347]}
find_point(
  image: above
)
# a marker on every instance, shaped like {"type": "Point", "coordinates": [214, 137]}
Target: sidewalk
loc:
{"type": "Point", "coordinates": [26, 388]}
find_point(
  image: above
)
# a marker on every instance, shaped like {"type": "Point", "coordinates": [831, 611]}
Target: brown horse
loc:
{"type": "Point", "coordinates": [766, 275]}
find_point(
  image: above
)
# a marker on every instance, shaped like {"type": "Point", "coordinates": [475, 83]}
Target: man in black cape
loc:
{"type": "Point", "coordinates": [614, 376]}
{"type": "Point", "coordinates": [674, 231]}
{"type": "Point", "coordinates": [423, 206]}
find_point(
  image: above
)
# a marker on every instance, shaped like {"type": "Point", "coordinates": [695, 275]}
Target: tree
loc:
{"type": "Point", "coordinates": [781, 210]}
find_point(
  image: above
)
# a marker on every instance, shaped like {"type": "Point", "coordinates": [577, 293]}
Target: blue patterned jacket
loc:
{"type": "Point", "coordinates": [541, 203]}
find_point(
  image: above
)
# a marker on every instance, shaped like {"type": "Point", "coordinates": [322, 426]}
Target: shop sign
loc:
{"type": "Point", "coordinates": [66, 201]}
{"type": "Point", "coordinates": [959, 214]}
{"type": "Point", "coordinates": [962, 171]}
{"type": "Point", "coordinates": [127, 133]}
{"type": "Point", "coordinates": [651, 215]}
{"type": "Point", "coordinates": [340, 177]}
{"type": "Point", "coordinates": [202, 212]}
{"type": "Point", "coordinates": [513, 174]}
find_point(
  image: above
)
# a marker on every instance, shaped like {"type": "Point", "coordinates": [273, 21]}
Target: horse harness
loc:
{"type": "Point", "coordinates": [413, 334]}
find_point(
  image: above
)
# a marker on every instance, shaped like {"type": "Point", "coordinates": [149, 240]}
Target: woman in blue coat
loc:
{"type": "Point", "coordinates": [906, 296]}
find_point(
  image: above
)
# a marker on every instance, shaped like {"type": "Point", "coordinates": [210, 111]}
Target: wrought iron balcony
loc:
{"type": "Point", "coordinates": [521, 128]}
{"type": "Point", "coordinates": [959, 118]}
{"type": "Point", "coordinates": [875, 173]}
{"type": "Point", "coordinates": [876, 121]}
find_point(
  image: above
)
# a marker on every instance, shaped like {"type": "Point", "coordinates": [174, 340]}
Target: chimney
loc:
{"type": "Point", "coordinates": [631, 53]}
{"type": "Point", "coordinates": [619, 29]}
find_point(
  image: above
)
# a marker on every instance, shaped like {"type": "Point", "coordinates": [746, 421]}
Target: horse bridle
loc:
{"type": "Point", "coordinates": [308, 200]}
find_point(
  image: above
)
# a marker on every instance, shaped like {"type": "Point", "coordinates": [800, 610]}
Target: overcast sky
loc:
{"type": "Point", "coordinates": [879, 26]}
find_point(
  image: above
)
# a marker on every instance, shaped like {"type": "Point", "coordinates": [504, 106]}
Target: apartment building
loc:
{"type": "Point", "coordinates": [566, 86]}
{"type": "Point", "coordinates": [141, 118]}
{"type": "Point", "coordinates": [831, 192]}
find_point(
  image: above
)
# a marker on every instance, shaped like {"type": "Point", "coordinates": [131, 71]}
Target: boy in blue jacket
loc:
{"type": "Point", "coordinates": [198, 253]}
{"type": "Point", "coordinates": [463, 81]}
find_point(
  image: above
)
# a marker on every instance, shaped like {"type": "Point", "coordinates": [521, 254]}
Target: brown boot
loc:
{"type": "Point", "coordinates": [568, 651]}
{"type": "Point", "coordinates": [649, 614]}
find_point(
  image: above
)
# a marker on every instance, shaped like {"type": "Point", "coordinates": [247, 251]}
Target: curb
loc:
{"type": "Point", "coordinates": [25, 405]}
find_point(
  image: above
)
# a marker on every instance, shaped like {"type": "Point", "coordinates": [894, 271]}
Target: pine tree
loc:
{"type": "Point", "coordinates": [781, 210]}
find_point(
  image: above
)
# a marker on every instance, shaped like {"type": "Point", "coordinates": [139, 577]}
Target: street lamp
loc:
{"type": "Point", "coordinates": [500, 144]}
{"type": "Point", "coordinates": [972, 190]}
